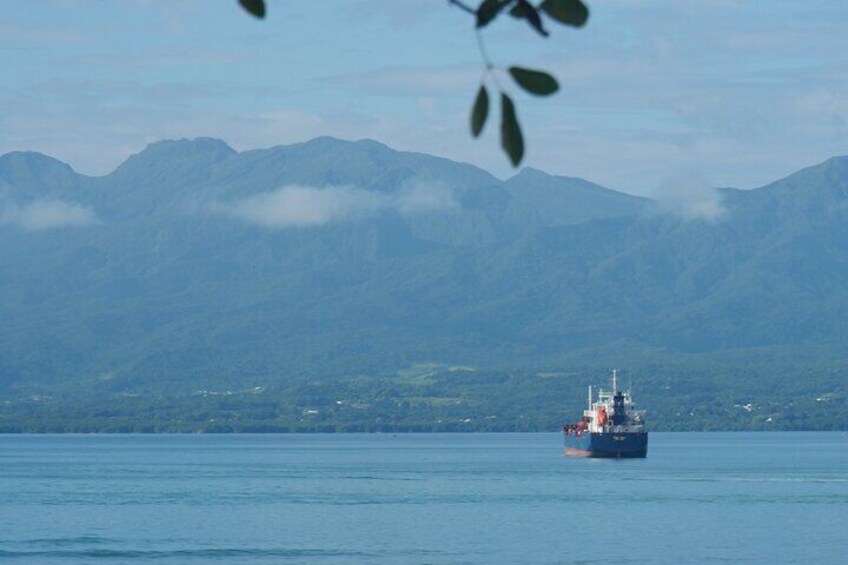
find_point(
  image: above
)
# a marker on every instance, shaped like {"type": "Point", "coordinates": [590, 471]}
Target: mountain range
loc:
{"type": "Point", "coordinates": [193, 265]}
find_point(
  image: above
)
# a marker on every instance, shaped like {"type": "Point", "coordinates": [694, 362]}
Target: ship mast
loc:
{"type": "Point", "coordinates": [614, 381]}
{"type": "Point", "coordinates": [590, 397]}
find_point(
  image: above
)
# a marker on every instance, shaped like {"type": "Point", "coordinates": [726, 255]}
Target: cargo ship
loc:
{"type": "Point", "coordinates": [610, 427]}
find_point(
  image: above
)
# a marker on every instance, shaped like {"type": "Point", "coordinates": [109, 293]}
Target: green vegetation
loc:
{"type": "Point", "coordinates": [438, 398]}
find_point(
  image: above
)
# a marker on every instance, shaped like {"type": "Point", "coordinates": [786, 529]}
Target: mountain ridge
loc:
{"type": "Point", "coordinates": [374, 259]}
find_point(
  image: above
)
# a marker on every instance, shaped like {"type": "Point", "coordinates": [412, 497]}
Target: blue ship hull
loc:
{"type": "Point", "coordinates": [607, 444]}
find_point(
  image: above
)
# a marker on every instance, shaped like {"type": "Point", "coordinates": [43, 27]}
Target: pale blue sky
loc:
{"type": "Point", "coordinates": [736, 93]}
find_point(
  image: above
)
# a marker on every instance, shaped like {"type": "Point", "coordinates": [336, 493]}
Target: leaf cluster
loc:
{"type": "Point", "coordinates": [540, 83]}
{"type": "Point", "coordinates": [569, 12]}
{"type": "Point", "coordinates": [536, 82]}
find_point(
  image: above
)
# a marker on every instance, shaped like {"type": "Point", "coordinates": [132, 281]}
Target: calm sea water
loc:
{"type": "Point", "coordinates": [443, 498]}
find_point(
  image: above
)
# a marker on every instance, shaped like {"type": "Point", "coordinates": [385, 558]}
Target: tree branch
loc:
{"type": "Point", "coordinates": [461, 5]}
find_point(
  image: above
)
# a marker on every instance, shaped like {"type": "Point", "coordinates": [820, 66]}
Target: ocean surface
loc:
{"type": "Point", "coordinates": [418, 499]}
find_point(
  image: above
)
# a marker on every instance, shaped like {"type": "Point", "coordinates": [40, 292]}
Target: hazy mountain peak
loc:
{"type": "Point", "coordinates": [328, 161]}
{"type": "Point", "coordinates": [335, 142]}
{"type": "Point", "coordinates": [541, 198]}
{"type": "Point", "coordinates": [836, 169]}
{"type": "Point", "coordinates": [832, 170]}
{"type": "Point", "coordinates": [811, 190]}
{"type": "Point", "coordinates": [178, 153]}
{"type": "Point", "coordinates": [530, 172]}
{"type": "Point", "coordinates": [324, 148]}
{"type": "Point", "coordinates": [178, 148]}
{"type": "Point", "coordinates": [530, 177]}
{"type": "Point", "coordinates": [837, 160]}
{"type": "Point", "coordinates": [327, 144]}
{"type": "Point", "coordinates": [30, 160]}
{"type": "Point", "coordinates": [32, 170]}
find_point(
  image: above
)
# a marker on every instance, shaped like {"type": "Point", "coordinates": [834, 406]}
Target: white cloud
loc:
{"type": "Point", "coordinates": [689, 197]}
{"type": "Point", "coordinates": [47, 214]}
{"type": "Point", "coordinates": [301, 206]}
{"type": "Point", "coordinates": [297, 206]}
{"type": "Point", "coordinates": [419, 197]}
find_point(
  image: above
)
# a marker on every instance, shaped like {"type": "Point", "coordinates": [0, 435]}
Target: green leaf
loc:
{"type": "Point", "coordinates": [524, 10]}
{"type": "Point", "coordinates": [511, 139]}
{"type": "Point", "coordinates": [534, 82]}
{"type": "Point", "coordinates": [570, 12]}
{"type": "Point", "coordinates": [254, 7]}
{"type": "Point", "coordinates": [480, 111]}
{"type": "Point", "coordinates": [488, 10]}
{"type": "Point", "coordinates": [519, 11]}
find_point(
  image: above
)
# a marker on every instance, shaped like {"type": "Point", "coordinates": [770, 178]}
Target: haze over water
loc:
{"type": "Point", "coordinates": [451, 498]}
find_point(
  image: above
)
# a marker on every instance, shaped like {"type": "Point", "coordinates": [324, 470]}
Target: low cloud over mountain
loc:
{"type": "Point", "coordinates": [689, 197]}
{"type": "Point", "coordinates": [301, 206]}
{"type": "Point", "coordinates": [47, 214]}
